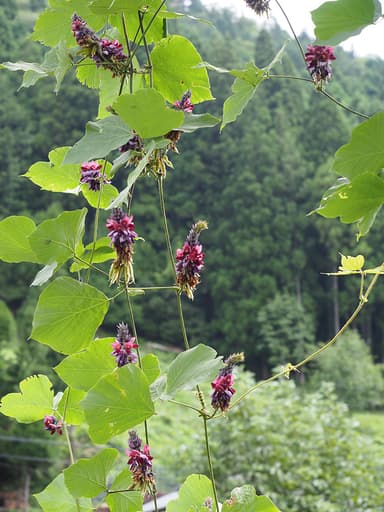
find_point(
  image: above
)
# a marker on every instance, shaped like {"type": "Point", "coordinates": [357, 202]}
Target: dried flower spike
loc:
{"type": "Point", "coordinates": [318, 59]}
{"type": "Point", "coordinates": [52, 425]}
{"type": "Point", "coordinates": [222, 386]}
{"type": "Point", "coordinates": [123, 236]}
{"type": "Point", "coordinates": [140, 464]}
{"type": "Point", "coordinates": [259, 6]}
{"type": "Point", "coordinates": [123, 346]}
{"type": "Point", "coordinates": [190, 260]}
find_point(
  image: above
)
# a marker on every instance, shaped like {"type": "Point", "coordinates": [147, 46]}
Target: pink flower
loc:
{"type": "Point", "coordinates": [185, 103]}
{"type": "Point", "coordinates": [318, 59]}
{"type": "Point", "coordinates": [52, 425]}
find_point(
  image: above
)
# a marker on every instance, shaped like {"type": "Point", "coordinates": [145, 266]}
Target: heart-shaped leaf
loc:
{"type": "Point", "coordinates": [57, 497]}
{"type": "Point", "coordinates": [14, 240]}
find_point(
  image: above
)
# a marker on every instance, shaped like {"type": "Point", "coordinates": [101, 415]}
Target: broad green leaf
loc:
{"type": "Point", "coordinates": [102, 252]}
{"type": "Point", "coordinates": [83, 370]}
{"type": "Point", "coordinates": [67, 315]}
{"type": "Point", "coordinates": [339, 20]}
{"type": "Point", "coordinates": [60, 238]}
{"type": "Point", "coordinates": [235, 104]}
{"type": "Point", "coordinates": [133, 176]}
{"type": "Point", "coordinates": [14, 240]}
{"type": "Point", "coordinates": [352, 263]}
{"type": "Point", "coordinates": [244, 499]}
{"type": "Point", "coordinates": [175, 61]}
{"type": "Point", "coordinates": [125, 501]}
{"type": "Point", "coordinates": [69, 406]}
{"type": "Point", "coordinates": [32, 71]}
{"type": "Point", "coordinates": [44, 274]}
{"type": "Point", "coordinates": [118, 401]}
{"type": "Point", "coordinates": [100, 138]}
{"type": "Point", "coordinates": [192, 494]}
{"type": "Point", "coordinates": [158, 387]}
{"type": "Point", "coordinates": [88, 74]}
{"type": "Point", "coordinates": [358, 201]}
{"type": "Point", "coordinates": [54, 24]}
{"type": "Point", "coordinates": [55, 175]}
{"type": "Point", "coordinates": [151, 367]}
{"type": "Point", "coordinates": [57, 497]}
{"type": "Point", "coordinates": [365, 151]}
{"type": "Point", "coordinates": [88, 477]}
{"type": "Point", "coordinates": [108, 194]}
{"type": "Point", "coordinates": [194, 122]}
{"type": "Point", "coordinates": [117, 6]}
{"type": "Point", "coordinates": [196, 365]}
{"type": "Point", "coordinates": [146, 112]}
{"type": "Point", "coordinates": [34, 401]}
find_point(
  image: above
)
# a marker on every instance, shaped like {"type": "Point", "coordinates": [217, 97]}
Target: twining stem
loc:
{"type": "Point", "coordinates": [134, 330]}
{"type": "Point", "coordinates": [182, 323]}
{"type": "Point", "coordinates": [149, 62]}
{"type": "Point", "coordinates": [323, 92]}
{"type": "Point", "coordinates": [129, 53]}
{"type": "Point", "coordinates": [165, 222]}
{"type": "Point", "coordinates": [292, 29]}
{"type": "Point", "coordinates": [210, 465]}
{"type": "Point", "coordinates": [362, 301]}
{"type": "Point", "coordinates": [96, 225]}
{"type": "Point", "coordinates": [183, 404]}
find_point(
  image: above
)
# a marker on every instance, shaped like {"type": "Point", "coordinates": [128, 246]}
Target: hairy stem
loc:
{"type": "Point", "coordinates": [363, 300]}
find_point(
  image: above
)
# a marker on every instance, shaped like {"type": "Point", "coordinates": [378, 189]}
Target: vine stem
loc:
{"type": "Point", "coordinates": [134, 329]}
{"type": "Point", "coordinates": [71, 455]}
{"type": "Point", "coordinates": [149, 62]}
{"type": "Point", "coordinates": [363, 300]}
{"type": "Point", "coordinates": [292, 29]}
{"type": "Point", "coordinates": [160, 181]}
{"type": "Point", "coordinates": [210, 465]}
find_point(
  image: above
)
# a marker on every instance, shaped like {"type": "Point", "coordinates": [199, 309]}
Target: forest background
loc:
{"type": "Point", "coordinates": [263, 288]}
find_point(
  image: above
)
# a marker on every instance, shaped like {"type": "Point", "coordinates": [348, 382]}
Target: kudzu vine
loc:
{"type": "Point", "coordinates": [149, 83]}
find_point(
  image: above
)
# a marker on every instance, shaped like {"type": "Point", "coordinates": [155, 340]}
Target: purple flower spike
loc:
{"type": "Point", "coordinates": [185, 102]}
{"type": "Point", "coordinates": [259, 6]}
{"type": "Point", "coordinates": [222, 386]}
{"type": "Point", "coordinates": [91, 175]}
{"type": "Point", "coordinates": [190, 260]}
{"type": "Point", "coordinates": [122, 234]}
{"type": "Point", "coordinates": [140, 465]}
{"type": "Point", "coordinates": [318, 59]}
{"type": "Point", "coordinates": [123, 346]}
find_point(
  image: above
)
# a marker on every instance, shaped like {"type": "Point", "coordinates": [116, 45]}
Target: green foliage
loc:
{"type": "Point", "coordinates": [349, 365]}
{"type": "Point", "coordinates": [337, 21]}
{"type": "Point", "coordinates": [193, 493]}
{"type": "Point", "coordinates": [57, 495]}
{"type": "Point", "coordinates": [244, 499]}
{"type": "Point", "coordinates": [34, 401]}
{"type": "Point", "coordinates": [66, 303]}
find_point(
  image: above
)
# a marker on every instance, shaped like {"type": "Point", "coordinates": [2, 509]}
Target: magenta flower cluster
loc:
{"type": "Point", "coordinates": [222, 386]}
{"type": "Point", "coordinates": [53, 425]}
{"type": "Point", "coordinates": [105, 52]}
{"type": "Point", "coordinates": [123, 346]}
{"type": "Point", "coordinates": [190, 260]}
{"type": "Point", "coordinates": [92, 176]}
{"type": "Point", "coordinates": [122, 234]}
{"type": "Point", "coordinates": [185, 102]}
{"type": "Point", "coordinates": [318, 59]}
{"type": "Point", "coordinates": [133, 144]}
{"type": "Point", "coordinates": [140, 464]}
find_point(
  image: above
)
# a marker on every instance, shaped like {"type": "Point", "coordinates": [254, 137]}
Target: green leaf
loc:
{"type": "Point", "coordinates": [192, 494]}
{"type": "Point", "coordinates": [365, 151]}
{"type": "Point", "coordinates": [244, 499]}
{"type": "Point", "coordinates": [57, 497]}
{"type": "Point", "coordinates": [133, 176]}
{"type": "Point", "coordinates": [108, 194]}
{"type": "Point", "coordinates": [70, 405]}
{"type": "Point", "coordinates": [146, 112]}
{"type": "Point", "coordinates": [117, 6]}
{"type": "Point", "coordinates": [151, 367]}
{"type": "Point", "coordinates": [34, 401]}
{"type": "Point", "coordinates": [339, 20]}
{"type": "Point", "coordinates": [358, 201]}
{"type": "Point", "coordinates": [352, 263]}
{"type": "Point", "coordinates": [235, 104]}
{"type": "Point", "coordinates": [194, 122]}
{"type": "Point", "coordinates": [55, 175]}
{"type": "Point", "coordinates": [54, 24]}
{"type": "Point", "coordinates": [118, 401]}
{"type": "Point", "coordinates": [175, 61]}
{"type": "Point", "coordinates": [196, 365]}
{"type": "Point", "coordinates": [126, 501]}
{"type": "Point", "coordinates": [66, 303]}
{"type": "Point", "coordinates": [100, 138]}
{"type": "Point", "coordinates": [83, 370]}
{"type": "Point", "coordinates": [14, 240]}
{"type": "Point", "coordinates": [88, 477]}
{"type": "Point", "coordinates": [57, 240]}
{"type": "Point", "coordinates": [103, 252]}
